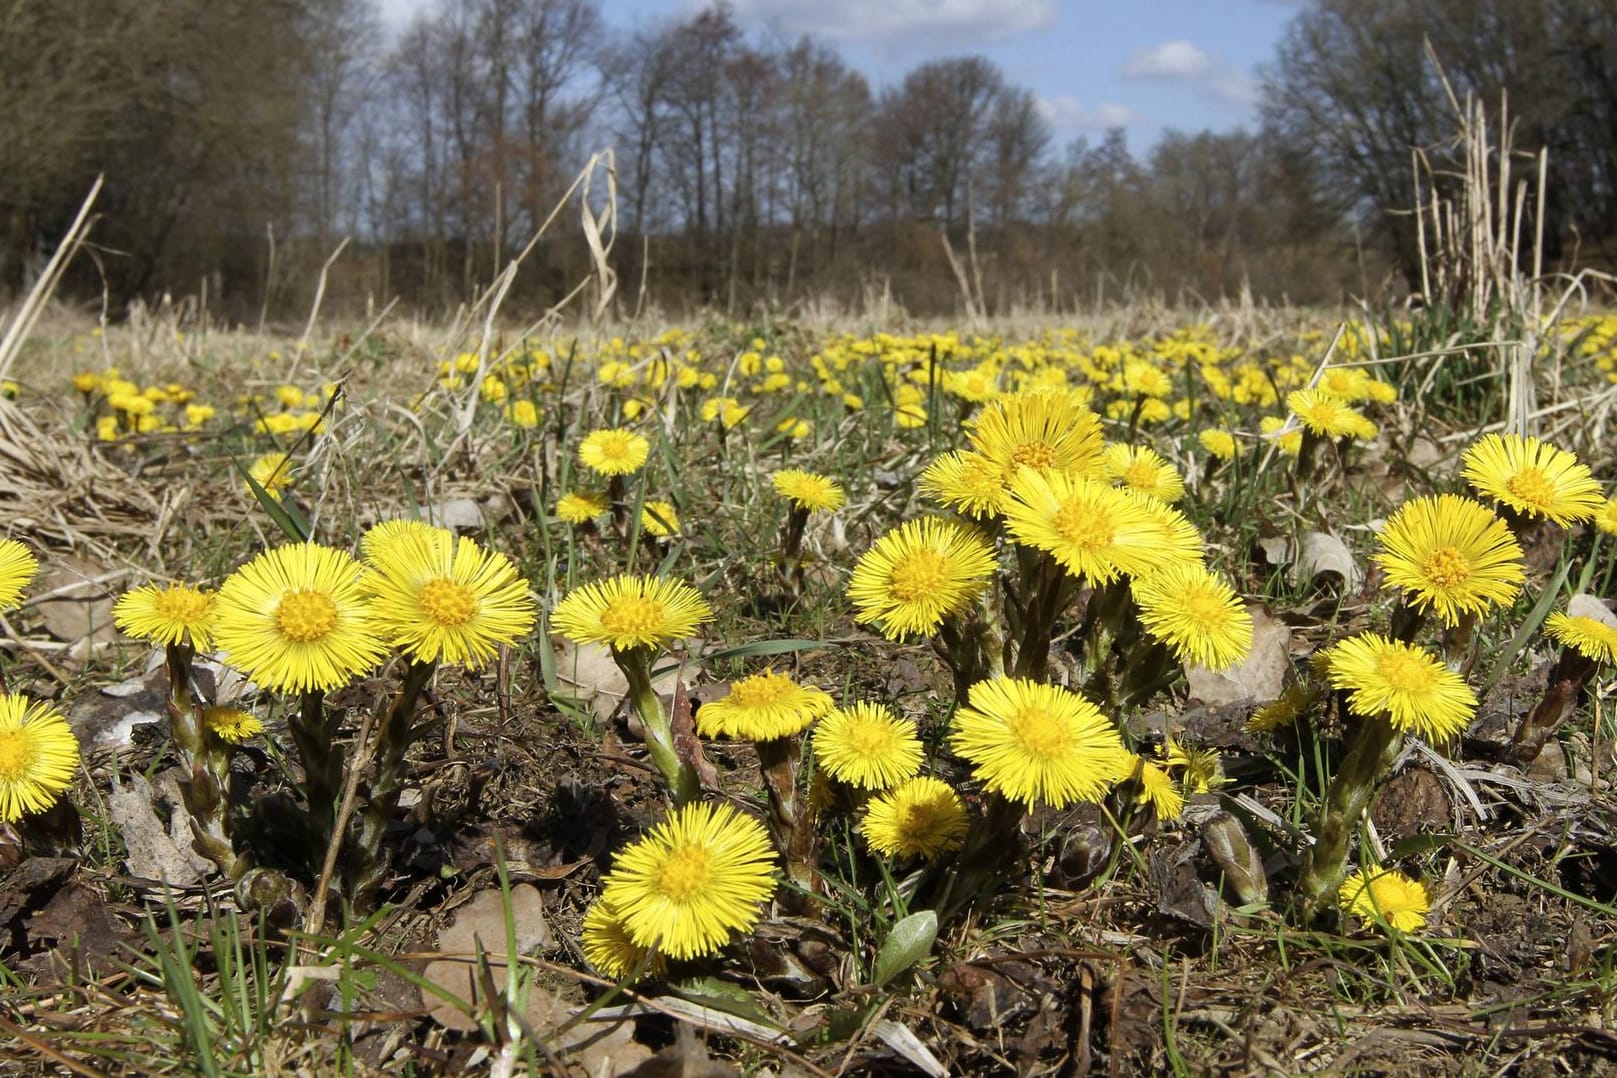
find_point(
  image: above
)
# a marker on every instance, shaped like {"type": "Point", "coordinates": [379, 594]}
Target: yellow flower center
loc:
{"type": "Point", "coordinates": [685, 873]}
{"type": "Point", "coordinates": [1084, 527]}
{"type": "Point", "coordinates": [918, 574]}
{"type": "Point", "coordinates": [632, 615]}
{"type": "Point", "coordinates": [15, 755]}
{"type": "Point", "coordinates": [447, 602]}
{"type": "Point", "coordinates": [1040, 734]}
{"type": "Point", "coordinates": [1323, 413]}
{"type": "Point", "coordinates": [761, 691]}
{"type": "Point", "coordinates": [1446, 567]}
{"type": "Point", "coordinates": [1034, 454]}
{"type": "Point", "coordinates": [872, 739]}
{"type": "Point", "coordinates": [1531, 486]}
{"type": "Point", "coordinates": [305, 615]}
{"type": "Point", "coordinates": [1141, 474]}
{"type": "Point", "coordinates": [1205, 608]}
{"type": "Point", "coordinates": [182, 605]}
{"type": "Point", "coordinates": [614, 446]}
{"type": "Point", "coordinates": [1407, 673]}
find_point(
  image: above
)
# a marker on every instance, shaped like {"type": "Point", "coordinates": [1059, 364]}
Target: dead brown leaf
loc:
{"type": "Point", "coordinates": [1260, 677]}
{"type": "Point", "coordinates": [80, 611]}
{"type": "Point", "coordinates": [154, 851]}
{"type": "Point", "coordinates": [480, 925]}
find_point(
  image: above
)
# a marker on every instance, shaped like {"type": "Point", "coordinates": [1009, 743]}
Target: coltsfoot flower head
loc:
{"type": "Point", "coordinates": [580, 507]}
{"type": "Point", "coordinates": [38, 755]}
{"type": "Point", "coordinates": [295, 618]}
{"type": "Point", "coordinates": [1400, 901]}
{"type": "Point", "coordinates": [630, 611]}
{"type": "Point", "coordinates": [382, 539]}
{"type": "Point", "coordinates": [271, 471]}
{"type": "Point", "coordinates": [1327, 417]}
{"type": "Point", "coordinates": [171, 614]}
{"type": "Point", "coordinates": [1039, 430]}
{"type": "Point", "coordinates": [614, 451]}
{"type": "Point", "coordinates": [1032, 742]}
{"type": "Point", "coordinates": [1201, 770]}
{"type": "Point", "coordinates": [1219, 443]}
{"type": "Point", "coordinates": [17, 568]}
{"type": "Point", "coordinates": [918, 574]}
{"type": "Point", "coordinates": [1281, 713]}
{"type": "Point", "coordinates": [1532, 478]}
{"type": "Point", "coordinates": [1158, 789]}
{"type": "Point", "coordinates": [763, 707]}
{"type": "Point", "coordinates": [1606, 516]}
{"type": "Point", "coordinates": [609, 948]}
{"type": "Point", "coordinates": [809, 490]}
{"type": "Point", "coordinates": [442, 599]}
{"type": "Point", "coordinates": [231, 725]}
{"type": "Point", "coordinates": [867, 746]}
{"type": "Point", "coordinates": [1415, 690]}
{"type": "Point", "coordinates": [922, 817]}
{"type": "Point", "coordinates": [1452, 554]}
{"type": "Point", "coordinates": [967, 482]}
{"type": "Point", "coordinates": [1142, 469]}
{"type": "Point", "coordinates": [659, 519]}
{"type": "Point", "coordinates": [1588, 637]}
{"type": "Point", "coordinates": [1196, 614]}
{"type": "Point", "coordinates": [1094, 531]}
{"type": "Point", "coordinates": [692, 881]}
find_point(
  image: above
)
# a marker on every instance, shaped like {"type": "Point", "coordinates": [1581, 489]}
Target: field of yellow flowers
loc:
{"type": "Point", "coordinates": [1222, 695]}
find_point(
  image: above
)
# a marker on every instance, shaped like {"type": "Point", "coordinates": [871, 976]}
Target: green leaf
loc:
{"type": "Point", "coordinates": [909, 941]}
{"type": "Point", "coordinates": [286, 516]}
{"type": "Point", "coordinates": [763, 647]}
{"type": "Point", "coordinates": [1535, 617]}
{"type": "Point", "coordinates": [843, 1023]}
{"type": "Point", "coordinates": [724, 996]}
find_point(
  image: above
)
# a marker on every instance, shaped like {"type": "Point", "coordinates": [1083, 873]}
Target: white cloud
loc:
{"type": "Point", "coordinates": [1169, 60]}
{"type": "Point", "coordinates": [931, 22]}
{"type": "Point", "coordinates": [1067, 116]}
{"type": "Point", "coordinates": [1181, 61]}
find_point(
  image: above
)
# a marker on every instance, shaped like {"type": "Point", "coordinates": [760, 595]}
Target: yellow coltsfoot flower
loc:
{"type": "Point", "coordinates": [922, 817]}
{"type": "Point", "coordinates": [296, 618]}
{"type": "Point", "coordinates": [867, 746]}
{"type": "Point", "coordinates": [38, 756]}
{"type": "Point", "coordinates": [692, 882]}
{"type": "Point", "coordinates": [630, 611]}
{"type": "Point", "coordinates": [1032, 742]}
{"type": "Point", "coordinates": [442, 599]}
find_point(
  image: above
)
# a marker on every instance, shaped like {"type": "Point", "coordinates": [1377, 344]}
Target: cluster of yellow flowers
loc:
{"type": "Point", "coordinates": [1594, 339]}
{"type": "Point", "coordinates": [121, 407]}
{"type": "Point", "coordinates": [305, 617]}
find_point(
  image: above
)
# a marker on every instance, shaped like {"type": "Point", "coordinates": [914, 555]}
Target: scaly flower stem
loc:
{"type": "Point", "coordinates": [1460, 644]}
{"type": "Point", "coordinates": [984, 862]}
{"type": "Point", "coordinates": [791, 549]}
{"type": "Point", "coordinates": [1375, 745]}
{"type": "Point", "coordinates": [620, 509]}
{"type": "Point", "coordinates": [1049, 591]}
{"type": "Point", "coordinates": [791, 817]}
{"type": "Point", "coordinates": [683, 786]}
{"type": "Point", "coordinates": [313, 732]}
{"type": "Point", "coordinates": [205, 761]}
{"type": "Point", "coordinates": [1566, 681]}
{"type": "Point", "coordinates": [971, 648]}
{"type": "Point", "coordinates": [370, 861]}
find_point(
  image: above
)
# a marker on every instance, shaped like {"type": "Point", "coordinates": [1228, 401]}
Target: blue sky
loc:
{"type": "Point", "coordinates": [1144, 65]}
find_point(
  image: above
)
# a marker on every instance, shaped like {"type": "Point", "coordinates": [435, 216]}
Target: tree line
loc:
{"type": "Point", "coordinates": [242, 140]}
